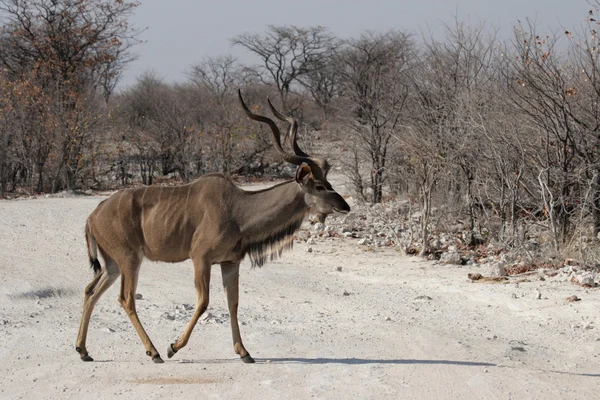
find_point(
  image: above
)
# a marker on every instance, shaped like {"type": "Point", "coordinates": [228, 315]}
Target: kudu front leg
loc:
{"type": "Point", "coordinates": [231, 275]}
{"type": "Point", "coordinates": [202, 283]}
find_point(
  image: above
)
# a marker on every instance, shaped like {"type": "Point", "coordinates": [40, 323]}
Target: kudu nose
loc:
{"type": "Point", "coordinates": [341, 205]}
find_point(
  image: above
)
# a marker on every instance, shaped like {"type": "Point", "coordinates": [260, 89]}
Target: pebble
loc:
{"type": "Point", "coordinates": [309, 250]}
{"type": "Point", "coordinates": [169, 316]}
{"type": "Point", "coordinates": [346, 293]}
{"type": "Point", "coordinates": [138, 296]}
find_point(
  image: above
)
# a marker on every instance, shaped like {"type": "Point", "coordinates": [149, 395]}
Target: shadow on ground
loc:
{"type": "Point", "coordinates": [347, 361]}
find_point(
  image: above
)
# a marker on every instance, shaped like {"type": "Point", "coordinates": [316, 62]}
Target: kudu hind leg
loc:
{"type": "Point", "coordinates": [231, 275]}
{"type": "Point", "coordinates": [93, 292]}
{"type": "Point", "coordinates": [129, 279]}
{"type": "Point", "coordinates": [202, 283]}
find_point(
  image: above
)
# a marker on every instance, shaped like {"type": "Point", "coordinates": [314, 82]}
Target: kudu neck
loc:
{"type": "Point", "coordinates": [266, 210]}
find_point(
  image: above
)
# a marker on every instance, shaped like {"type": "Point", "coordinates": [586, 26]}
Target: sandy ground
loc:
{"type": "Point", "coordinates": [384, 326]}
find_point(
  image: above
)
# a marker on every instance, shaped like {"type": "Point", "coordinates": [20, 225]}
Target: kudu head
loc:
{"type": "Point", "coordinates": [311, 173]}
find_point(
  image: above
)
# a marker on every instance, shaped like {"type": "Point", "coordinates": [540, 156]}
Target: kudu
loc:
{"type": "Point", "coordinates": [211, 221]}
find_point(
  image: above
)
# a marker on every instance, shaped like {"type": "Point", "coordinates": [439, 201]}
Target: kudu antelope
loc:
{"type": "Point", "coordinates": [211, 221]}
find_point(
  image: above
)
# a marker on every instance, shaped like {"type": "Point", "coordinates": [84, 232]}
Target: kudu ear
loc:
{"type": "Point", "coordinates": [303, 173]}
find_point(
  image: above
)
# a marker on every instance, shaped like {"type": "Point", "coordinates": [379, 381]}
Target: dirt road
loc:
{"type": "Point", "coordinates": [383, 327]}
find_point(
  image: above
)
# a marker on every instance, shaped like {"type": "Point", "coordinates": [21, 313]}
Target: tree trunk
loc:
{"type": "Point", "coordinates": [596, 205]}
{"type": "Point", "coordinates": [426, 193]}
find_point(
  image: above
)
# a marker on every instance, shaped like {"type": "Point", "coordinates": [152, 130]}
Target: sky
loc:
{"type": "Point", "coordinates": [179, 33]}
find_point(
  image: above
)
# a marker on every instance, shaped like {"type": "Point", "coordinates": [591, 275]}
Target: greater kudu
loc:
{"type": "Point", "coordinates": [211, 221]}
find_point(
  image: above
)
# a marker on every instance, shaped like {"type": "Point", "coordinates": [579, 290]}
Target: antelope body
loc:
{"type": "Point", "coordinates": [210, 221]}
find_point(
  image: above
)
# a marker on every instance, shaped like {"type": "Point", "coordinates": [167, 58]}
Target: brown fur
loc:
{"type": "Point", "coordinates": [210, 221]}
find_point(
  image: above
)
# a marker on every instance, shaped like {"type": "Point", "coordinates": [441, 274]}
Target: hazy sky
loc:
{"type": "Point", "coordinates": [180, 32]}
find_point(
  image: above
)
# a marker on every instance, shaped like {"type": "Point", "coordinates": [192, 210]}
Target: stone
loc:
{"type": "Point", "coordinates": [138, 296]}
{"type": "Point", "coordinates": [572, 299]}
{"type": "Point", "coordinates": [537, 295]}
{"type": "Point", "coordinates": [339, 269]}
{"type": "Point", "coordinates": [364, 242]}
{"type": "Point", "coordinates": [309, 250]}
{"type": "Point", "coordinates": [422, 299]}
{"type": "Point", "coordinates": [311, 241]}
{"type": "Point", "coordinates": [346, 293]}
{"type": "Point", "coordinates": [584, 279]}
{"type": "Point", "coordinates": [169, 316]}
{"type": "Point", "coordinates": [319, 226]}
{"type": "Point", "coordinates": [498, 269]}
{"type": "Point", "coordinates": [450, 257]}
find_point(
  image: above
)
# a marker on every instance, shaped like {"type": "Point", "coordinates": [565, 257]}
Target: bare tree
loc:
{"type": "Point", "coordinates": [57, 57]}
{"type": "Point", "coordinates": [287, 53]}
{"type": "Point", "coordinates": [217, 78]}
{"type": "Point", "coordinates": [373, 72]}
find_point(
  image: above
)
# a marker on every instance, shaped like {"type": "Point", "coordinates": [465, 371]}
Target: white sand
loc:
{"type": "Point", "coordinates": [469, 341]}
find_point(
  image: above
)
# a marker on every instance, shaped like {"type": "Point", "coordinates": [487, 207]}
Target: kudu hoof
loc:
{"type": "Point", "coordinates": [171, 351]}
{"type": "Point", "coordinates": [84, 357]}
{"type": "Point", "coordinates": [248, 359]}
{"type": "Point", "coordinates": [158, 360]}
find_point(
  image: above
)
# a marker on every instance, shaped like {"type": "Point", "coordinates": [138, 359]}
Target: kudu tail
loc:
{"type": "Point", "coordinates": [92, 249]}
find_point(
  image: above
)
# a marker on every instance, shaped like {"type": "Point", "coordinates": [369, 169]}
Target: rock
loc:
{"type": "Point", "coordinates": [319, 226]}
{"type": "Point", "coordinates": [169, 316]}
{"type": "Point", "coordinates": [451, 257]}
{"type": "Point", "coordinates": [309, 250]}
{"type": "Point", "coordinates": [422, 298]}
{"type": "Point", "coordinates": [364, 242]}
{"type": "Point", "coordinates": [346, 230]}
{"type": "Point", "coordinates": [537, 295]}
{"type": "Point", "coordinates": [339, 269]}
{"type": "Point", "coordinates": [388, 319]}
{"type": "Point", "coordinates": [498, 269]}
{"type": "Point", "coordinates": [474, 277]}
{"type": "Point", "coordinates": [206, 318]}
{"type": "Point", "coordinates": [138, 296]}
{"type": "Point", "coordinates": [348, 234]}
{"type": "Point", "coordinates": [583, 279]}
{"type": "Point", "coordinates": [572, 299]}
{"type": "Point", "coordinates": [346, 293]}
{"type": "Point", "coordinates": [311, 241]}
{"type": "Point", "coordinates": [188, 307]}
{"type": "Point", "coordinates": [108, 330]}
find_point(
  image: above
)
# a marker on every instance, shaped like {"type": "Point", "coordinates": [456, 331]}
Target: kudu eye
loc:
{"type": "Point", "coordinates": [320, 188]}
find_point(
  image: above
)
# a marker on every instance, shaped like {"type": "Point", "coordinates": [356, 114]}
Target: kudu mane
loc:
{"type": "Point", "coordinates": [272, 244]}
